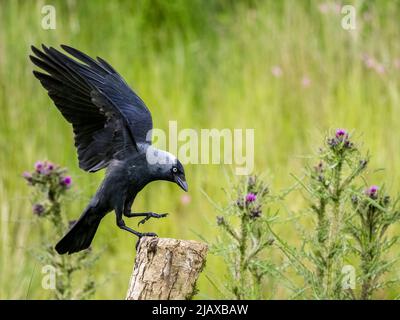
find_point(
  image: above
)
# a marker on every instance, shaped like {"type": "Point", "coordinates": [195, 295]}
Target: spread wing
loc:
{"type": "Point", "coordinates": [109, 120]}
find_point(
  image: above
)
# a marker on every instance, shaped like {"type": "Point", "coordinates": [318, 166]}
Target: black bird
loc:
{"type": "Point", "coordinates": [112, 129]}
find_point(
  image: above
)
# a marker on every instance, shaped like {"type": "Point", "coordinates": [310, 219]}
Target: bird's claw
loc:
{"type": "Point", "coordinates": [149, 234]}
{"type": "Point", "coordinates": [152, 215]}
{"type": "Point", "coordinates": [141, 235]}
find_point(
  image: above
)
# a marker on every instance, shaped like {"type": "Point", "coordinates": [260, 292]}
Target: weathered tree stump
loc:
{"type": "Point", "coordinates": [166, 269]}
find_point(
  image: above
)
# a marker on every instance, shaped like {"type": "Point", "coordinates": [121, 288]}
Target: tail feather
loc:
{"type": "Point", "coordinates": [80, 236]}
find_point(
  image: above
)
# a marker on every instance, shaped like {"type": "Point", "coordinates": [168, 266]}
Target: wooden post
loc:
{"type": "Point", "coordinates": [166, 269]}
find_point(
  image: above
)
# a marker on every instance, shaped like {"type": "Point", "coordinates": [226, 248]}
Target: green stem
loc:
{"type": "Point", "coordinates": [368, 253]}
{"type": "Point", "coordinates": [322, 231]}
{"type": "Point", "coordinates": [242, 252]}
{"type": "Point", "coordinates": [335, 226]}
{"type": "Point", "coordinates": [257, 284]}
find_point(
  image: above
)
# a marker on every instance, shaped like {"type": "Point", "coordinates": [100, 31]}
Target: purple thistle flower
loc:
{"type": "Point", "coordinates": [251, 197]}
{"type": "Point", "coordinates": [27, 176]}
{"type": "Point", "coordinates": [341, 139]}
{"type": "Point", "coordinates": [340, 133]}
{"type": "Point", "coordinates": [372, 191]}
{"type": "Point", "coordinates": [39, 166]}
{"type": "Point", "coordinates": [66, 181]}
{"type": "Point", "coordinates": [38, 209]}
{"type": "Point", "coordinates": [50, 166]}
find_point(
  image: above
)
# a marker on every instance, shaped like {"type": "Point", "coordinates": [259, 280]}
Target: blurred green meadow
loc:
{"type": "Point", "coordinates": [285, 68]}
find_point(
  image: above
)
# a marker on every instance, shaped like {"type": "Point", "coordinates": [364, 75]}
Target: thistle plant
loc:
{"type": "Point", "coordinates": [349, 224]}
{"type": "Point", "coordinates": [375, 212]}
{"type": "Point", "coordinates": [244, 239]}
{"type": "Point", "coordinates": [50, 188]}
{"type": "Point", "coordinates": [50, 184]}
{"type": "Point", "coordinates": [339, 163]}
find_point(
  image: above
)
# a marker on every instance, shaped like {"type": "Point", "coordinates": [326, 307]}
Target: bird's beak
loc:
{"type": "Point", "coordinates": [182, 183]}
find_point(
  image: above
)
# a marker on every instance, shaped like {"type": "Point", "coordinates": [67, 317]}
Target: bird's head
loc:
{"type": "Point", "coordinates": [165, 166]}
{"type": "Point", "coordinates": [177, 175]}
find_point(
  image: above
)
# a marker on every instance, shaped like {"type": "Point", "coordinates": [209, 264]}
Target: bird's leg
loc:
{"type": "Point", "coordinates": [127, 212]}
{"type": "Point", "coordinates": [121, 224]}
{"type": "Point", "coordinates": [147, 215]}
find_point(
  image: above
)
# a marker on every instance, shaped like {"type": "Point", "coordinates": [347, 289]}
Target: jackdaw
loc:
{"type": "Point", "coordinates": [112, 129]}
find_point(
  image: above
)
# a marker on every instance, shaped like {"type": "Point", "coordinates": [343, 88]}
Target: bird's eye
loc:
{"type": "Point", "coordinates": [174, 170]}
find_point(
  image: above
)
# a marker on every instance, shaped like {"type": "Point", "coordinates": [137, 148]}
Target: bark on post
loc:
{"type": "Point", "coordinates": [166, 269]}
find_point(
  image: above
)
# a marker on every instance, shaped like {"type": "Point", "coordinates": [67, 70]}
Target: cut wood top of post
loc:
{"type": "Point", "coordinates": [166, 269]}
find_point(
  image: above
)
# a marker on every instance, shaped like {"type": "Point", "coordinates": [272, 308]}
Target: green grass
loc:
{"type": "Point", "coordinates": [206, 64]}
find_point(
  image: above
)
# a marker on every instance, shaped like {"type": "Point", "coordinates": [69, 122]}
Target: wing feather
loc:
{"type": "Point", "coordinates": [108, 118]}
